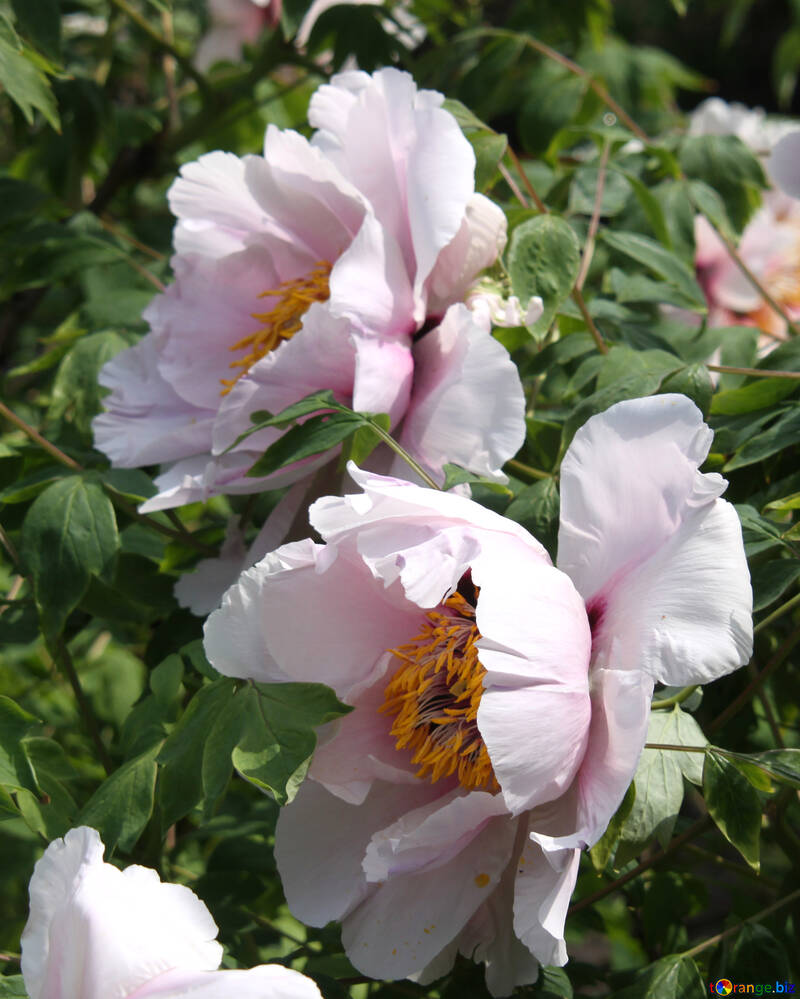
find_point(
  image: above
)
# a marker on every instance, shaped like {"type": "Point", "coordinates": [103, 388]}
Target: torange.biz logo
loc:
{"type": "Point", "coordinates": [725, 987]}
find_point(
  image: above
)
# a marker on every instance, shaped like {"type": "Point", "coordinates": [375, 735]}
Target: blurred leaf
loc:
{"type": "Point", "coordinates": [733, 804]}
{"type": "Point", "coordinates": [544, 259]}
{"type": "Point", "coordinates": [40, 21]}
{"type": "Point", "coordinates": [602, 852]}
{"type": "Point", "coordinates": [23, 80]}
{"type": "Point", "coordinates": [661, 261]}
{"type": "Point", "coordinates": [76, 388]}
{"type": "Point", "coordinates": [489, 150]}
{"type": "Point", "coordinates": [536, 507]}
{"type": "Point", "coordinates": [758, 956]}
{"type": "Point", "coordinates": [69, 534]}
{"type": "Point", "coordinates": [731, 169]}
{"type": "Point", "coordinates": [783, 765]}
{"type": "Point", "coordinates": [15, 769]}
{"type": "Point", "coordinates": [772, 579]}
{"type": "Point", "coordinates": [552, 983]}
{"type": "Point", "coordinates": [132, 483]}
{"type": "Point", "coordinates": [583, 191]}
{"type": "Point", "coordinates": [13, 987]}
{"type": "Point", "coordinates": [121, 807]}
{"type": "Point", "coordinates": [784, 433]}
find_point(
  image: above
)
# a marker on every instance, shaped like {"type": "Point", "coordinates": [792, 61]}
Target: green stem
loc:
{"type": "Point", "coordinates": [675, 749]}
{"type": "Point", "coordinates": [728, 369]}
{"type": "Point", "coordinates": [58, 650]}
{"type": "Point", "coordinates": [779, 612]}
{"type": "Point", "coordinates": [398, 449]}
{"type": "Point", "coordinates": [523, 469]}
{"type": "Point", "coordinates": [712, 941]}
{"type": "Point", "coordinates": [679, 698]}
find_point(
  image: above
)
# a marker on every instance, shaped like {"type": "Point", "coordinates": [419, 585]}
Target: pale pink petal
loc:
{"type": "Point", "coordinates": [628, 480]}
{"type": "Point", "coordinates": [319, 859]}
{"type": "Point", "coordinates": [145, 420]}
{"type": "Point", "coordinates": [383, 376]}
{"type": "Point", "coordinates": [479, 241]}
{"type": "Point", "coordinates": [543, 888]}
{"type": "Point", "coordinates": [783, 165]}
{"type": "Point", "coordinates": [427, 838]}
{"type": "Point", "coordinates": [95, 932]}
{"type": "Point", "coordinates": [260, 633]}
{"type": "Point", "coordinates": [685, 615]}
{"type": "Point", "coordinates": [406, 154]}
{"type": "Point", "coordinates": [406, 921]}
{"type": "Point", "coordinates": [534, 645]}
{"type": "Point", "coordinates": [202, 589]}
{"type": "Point", "coordinates": [267, 981]}
{"type": "Point", "coordinates": [467, 404]}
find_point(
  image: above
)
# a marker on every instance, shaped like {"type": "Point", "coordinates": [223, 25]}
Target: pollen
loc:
{"type": "Point", "coordinates": [482, 880]}
{"type": "Point", "coordinates": [434, 698]}
{"type": "Point", "coordinates": [282, 321]}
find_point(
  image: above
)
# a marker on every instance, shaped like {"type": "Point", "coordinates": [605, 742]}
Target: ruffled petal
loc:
{"type": "Point", "coordinates": [543, 888]}
{"type": "Point", "coordinates": [467, 404]}
{"type": "Point", "coordinates": [406, 922]}
{"type": "Point", "coordinates": [145, 420]}
{"type": "Point", "coordinates": [95, 932]}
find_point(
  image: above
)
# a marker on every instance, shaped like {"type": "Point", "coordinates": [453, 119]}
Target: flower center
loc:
{"type": "Point", "coordinates": [283, 320]}
{"type": "Point", "coordinates": [435, 694]}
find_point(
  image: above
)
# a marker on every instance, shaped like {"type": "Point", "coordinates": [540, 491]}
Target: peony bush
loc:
{"type": "Point", "coordinates": [398, 505]}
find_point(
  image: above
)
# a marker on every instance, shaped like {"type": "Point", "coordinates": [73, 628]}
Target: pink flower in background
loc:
{"type": "Point", "coordinates": [235, 23]}
{"type": "Point", "coordinates": [770, 244]}
{"type": "Point", "coordinates": [500, 704]}
{"type": "Point", "coordinates": [95, 932]}
{"type": "Point", "coordinates": [331, 264]}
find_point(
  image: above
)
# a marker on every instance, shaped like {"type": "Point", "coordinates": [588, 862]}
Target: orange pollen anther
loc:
{"type": "Point", "coordinates": [435, 694]}
{"type": "Point", "coordinates": [283, 320]}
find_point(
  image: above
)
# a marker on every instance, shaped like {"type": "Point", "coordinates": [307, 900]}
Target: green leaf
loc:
{"type": "Point", "coordinates": [672, 977]}
{"type": "Point", "coordinates": [603, 850]}
{"type": "Point", "coordinates": [733, 804]}
{"type": "Point", "coordinates": [278, 733]}
{"type": "Point", "coordinates": [316, 435]}
{"type": "Point", "coordinates": [693, 381]}
{"type": "Point", "coordinates": [132, 483]}
{"type": "Point", "coordinates": [69, 534]}
{"type": "Point", "coordinates": [772, 579]}
{"type": "Point", "coordinates": [8, 810]}
{"type": "Point", "coordinates": [23, 79]}
{"type": "Point", "coordinates": [489, 149]}
{"type": "Point", "coordinates": [544, 259]}
{"type": "Point", "coordinates": [583, 191]}
{"type": "Point", "coordinates": [40, 22]}
{"type": "Point", "coordinates": [13, 987]}
{"type": "Point", "coordinates": [455, 475]}
{"type": "Point", "coordinates": [552, 983]}
{"type": "Point", "coordinates": [784, 433]}
{"type": "Point", "coordinates": [15, 771]}
{"type": "Point", "coordinates": [121, 807]}
{"type": "Point", "coordinates": [757, 956]}
{"type": "Point", "coordinates": [659, 778]}
{"type": "Point", "coordinates": [28, 486]}
{"type": "Point", "coordinates": [536, 507]}
{"type": "Point", "coordinates": [365, 440]}
{"type": "Point", "coordinates": [652, 209]}
{"type": "Point", "coordinates": [783, 765]}
{"type": "Point", "coordinates": [76, 389]}
{"type": "Point", "coordinates": [726, 164]}
{"type": "Point", "coordinates": [760, 394]}
{"type": "Point", "coordinates": [660, 261]}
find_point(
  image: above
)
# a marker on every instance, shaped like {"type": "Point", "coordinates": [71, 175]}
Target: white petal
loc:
{"type": "Point", "coordinates": [401, 927]}
{"type": "Point", "coordinates": [783, 165]}
{"type": "Point", "coordinates": [95, 932]}
{"type": "Point", "coordinates": [267, 981]}
{"type": "Point", "coordinates": [544, 885]}
{"type": "Point", "coordinates": [467, 405]}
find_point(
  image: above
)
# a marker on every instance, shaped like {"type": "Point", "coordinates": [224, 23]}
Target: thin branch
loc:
{"type": "Point", "coordinates": [769, 714]}
{"type": "Point", "coordinates": [144, 25]}
{"type": "Point", "coordinates": [13, 590]}
{"type": "Point", "coordinates": [727, 369]}
{"type": "Point", "coordinates": [528, 470]}
{"type": "Point", "coordinates": [60, 653]}
{"type": "Point", "coordinates": [739, 702]}
{"type": "Point", "coordinates": [594, 222]}
{"type": "Point", "coordinates": [110, 226]}
{"type": "Point", "coordinates": [676, 749]}
{"type": "Point", "coordinates": [573, 67]}
{"type": "Point", "coordinates": [694, 830]}
{"type": "Point", "coordinates": [513, 185]}
{"type": "Point", "coordinates": [712, 941]}
{"type": "Point", "coordinates": [526, 181]}
{"type": "Point", "coordinates": [679, 698]}
{"type": "Point", "coordinates": [399, 450]}
{"type": "Point", "coordinates": [778, 612]}
{"type": "Point", "coordinates": [52, 450]}
{"type": "Point", "coordinates": [8, 544]}
{"type": "Point", "coordinates": [597, 336]}
{"type": "Point", "coordinates": [746, 872]}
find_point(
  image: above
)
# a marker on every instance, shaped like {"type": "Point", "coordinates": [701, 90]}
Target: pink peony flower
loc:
{"type": "Point", "coordinates": [783, 165]}
{"type": "Point", "coordinates": [331, 264]}
{"type": "Point", "coordinates": [500, 703]}
{"type": "Point", "coordinates": [235, 23]}
{"type": "Point", "coordinates": [95, 932]}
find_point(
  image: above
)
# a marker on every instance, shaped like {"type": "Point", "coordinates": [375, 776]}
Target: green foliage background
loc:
{"type": "Point", "coordinates": [109, 713]}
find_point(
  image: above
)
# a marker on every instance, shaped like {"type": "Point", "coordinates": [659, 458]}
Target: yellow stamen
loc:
{"type": "Point", "coordinates": [435, 695]}
{"type": "Point", "coordinates": [283, 320]}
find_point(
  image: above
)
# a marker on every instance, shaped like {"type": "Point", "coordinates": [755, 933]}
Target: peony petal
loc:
{"type": "Point", "coordinates": [267, 981]}
{"type": "Point", "coordinates": [543, 888]}
{"type": "Point", "coordinates": [467, 405]}
{"type": "Point", "coordinates": [783, 165]}
{"type": "Point", "coordinates": [627, 481]}
{"type": "Point", "coordinates": [319, 860]}
{"type": "Point", "coordinates": [405, 154]}
{"type": "Point", "coordinates": [146, 421]}
{"type": "Point", "coordinates": [382, 383]}
{"type": "Point", "coordinates": [685, 615]}
{"type": "Point", "coordinates": [95, 932]}
{"type": "Point", "coordinates": [479, 241]}
{"type": "Point", "coordinates": [261, 633]}
{"type": "Point", "coordinates": [404, 924]}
